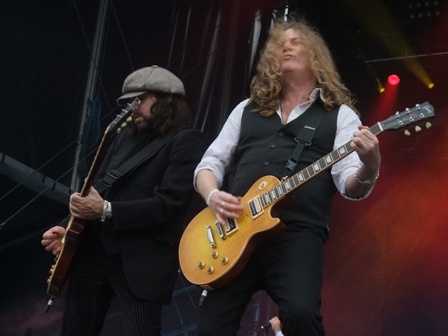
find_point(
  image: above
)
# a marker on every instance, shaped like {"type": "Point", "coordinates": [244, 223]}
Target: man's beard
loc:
{"type": "Point", "coordinates": [146, 124]}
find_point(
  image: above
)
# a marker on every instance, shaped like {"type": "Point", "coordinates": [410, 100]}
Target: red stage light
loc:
{"type": "Point", "coordinates": [393, 80]}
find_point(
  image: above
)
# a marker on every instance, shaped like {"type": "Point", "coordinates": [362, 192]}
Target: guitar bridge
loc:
{"type": "Point", "coordinates": [211, 240]}
{"type": "Point", "coordinates": [221, 233]}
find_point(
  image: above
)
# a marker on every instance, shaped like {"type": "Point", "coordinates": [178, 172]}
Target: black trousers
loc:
{"type": "Point", "coordinates": [289, 269]}
{"type": "Point", "coordinates": [92, 286]}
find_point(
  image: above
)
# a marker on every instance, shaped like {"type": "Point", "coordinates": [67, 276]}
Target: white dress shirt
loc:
{"type": "Point", "coordinates": [218, 156]}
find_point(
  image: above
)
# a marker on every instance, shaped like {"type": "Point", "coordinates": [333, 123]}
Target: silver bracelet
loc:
{"type": "Point", "coordinates": [107, 211]}
{"type": "Point", "coordinates": [369, 181]}
{"type": "Point", "coordinates": [210, 195]}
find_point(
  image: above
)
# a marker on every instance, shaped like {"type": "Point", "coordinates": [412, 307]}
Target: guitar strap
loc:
{"type": "Point", "coordinates": [304, 138]}
{"type": "Point", "coordinates": [141, 156]}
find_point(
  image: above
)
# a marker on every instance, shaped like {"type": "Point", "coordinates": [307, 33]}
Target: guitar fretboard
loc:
{"type": "Point", "coordinates": [311, 171]}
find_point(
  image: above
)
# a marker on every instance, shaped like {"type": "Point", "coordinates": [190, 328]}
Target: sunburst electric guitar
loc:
{"type": "Point", "coordinates": [211, 256]}
{"type": "Point", "coordinates": [60, 269]}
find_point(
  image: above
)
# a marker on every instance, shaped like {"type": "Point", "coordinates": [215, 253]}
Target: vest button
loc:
{"type": "Point", "coordinates": [272, 146]}
{"type": "Point", "coordinates": [266, 163]}
{"type": "Point", "coordinates": [280, 134]}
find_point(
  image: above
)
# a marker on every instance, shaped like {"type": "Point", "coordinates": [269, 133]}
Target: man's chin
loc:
{"type": "Point", "coordinates": [144, 126]}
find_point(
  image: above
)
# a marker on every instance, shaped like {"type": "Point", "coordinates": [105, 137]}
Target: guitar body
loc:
{"type": "Point", "coordinates": [212, 267]}
{"type": "Point", "coordinates": [211, 256]}
{"type": "Point", "coordinates": [60, 270]}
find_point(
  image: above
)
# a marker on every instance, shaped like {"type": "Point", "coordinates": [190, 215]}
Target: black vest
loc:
{"type": "Point", "coordinates": [265, 146]}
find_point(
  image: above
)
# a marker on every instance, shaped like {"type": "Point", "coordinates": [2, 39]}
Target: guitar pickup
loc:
{"type": "Point", "coordinates": [232, 226]}
{"type": "Point", "coordinates": [224, 233]}
{"type": "Point", "coordinates": [255, 206]}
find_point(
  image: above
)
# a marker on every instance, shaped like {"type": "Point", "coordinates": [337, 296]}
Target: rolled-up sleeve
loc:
{"type": "Point", "coordinates": [219, 154]}
{"type": "Point", "coordinates": [347, 123]}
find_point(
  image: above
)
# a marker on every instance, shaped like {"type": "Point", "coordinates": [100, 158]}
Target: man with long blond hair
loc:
{"type": "Point", "coordinates": [298, 112]}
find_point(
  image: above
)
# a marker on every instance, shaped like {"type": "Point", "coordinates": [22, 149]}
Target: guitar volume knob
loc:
{"type": "Point", "coordinates": [224, 260]}
{"type": "Point", "coordinates": [210, 269]}
{"type": "Point", "coordinates": [201, 264]}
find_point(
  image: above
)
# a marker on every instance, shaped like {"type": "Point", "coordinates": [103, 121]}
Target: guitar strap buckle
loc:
{"type": "Point", "coordinates": [291, 164]}
{"type": "Point", "coordinates": [115, 174]}
{"type": "Point", "coordinates": [303, 140]}
{"type": "Point", "coordinates": [107, 181]}
{"type": "Point", "coordinates": [110, 178]}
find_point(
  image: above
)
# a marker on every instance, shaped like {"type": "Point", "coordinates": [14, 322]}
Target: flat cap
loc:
{"type": "Point", "coordinates": [153, 78]}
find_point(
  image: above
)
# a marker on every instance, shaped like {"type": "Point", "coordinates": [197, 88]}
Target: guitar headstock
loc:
{"type": "Point", "coordinates": [408, 117]}
{"type": "Point", "coordinates": [123, 117]}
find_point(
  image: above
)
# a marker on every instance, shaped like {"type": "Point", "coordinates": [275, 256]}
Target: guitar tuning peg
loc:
{"type": "Point", "coordinates": [407, 133]}
{"type": "Point", "coordinates": [123, 125]}
{"type": "Point", "coordinates": [428, 124]}
{"type": "Point", "coordinates": [418, 128]}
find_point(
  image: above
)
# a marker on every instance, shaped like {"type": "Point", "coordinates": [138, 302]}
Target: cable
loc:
{"type": "Point", "coordinates": [122, 36]}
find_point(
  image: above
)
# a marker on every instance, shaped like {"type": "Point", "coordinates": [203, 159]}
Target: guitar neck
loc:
{"type": "Point", "coordinates": [306, 174]}
{"type": "Point", "coordinates": [99, 156]}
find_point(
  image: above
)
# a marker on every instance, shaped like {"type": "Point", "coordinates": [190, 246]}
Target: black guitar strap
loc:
{"type": "Point", "coordinates": [304, 138]}
{"type": "Point", "coordinates": [141, 156]}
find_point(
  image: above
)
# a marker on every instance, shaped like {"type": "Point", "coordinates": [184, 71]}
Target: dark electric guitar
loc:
{"type": "Point", "coordinates": [60, 269]}
{"type": "Point", "coordinates": [211, 256]}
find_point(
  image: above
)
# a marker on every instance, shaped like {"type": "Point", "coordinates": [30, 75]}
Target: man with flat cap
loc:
{"type": "Point", "coordinates": [128, 250]}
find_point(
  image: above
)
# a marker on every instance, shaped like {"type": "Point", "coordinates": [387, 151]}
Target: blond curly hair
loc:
{"type": "Point", "coordinates": [266, 85]}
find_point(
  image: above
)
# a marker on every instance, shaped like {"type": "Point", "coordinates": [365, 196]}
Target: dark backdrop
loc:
{"type": "Point", "coordinates": [385, 272]}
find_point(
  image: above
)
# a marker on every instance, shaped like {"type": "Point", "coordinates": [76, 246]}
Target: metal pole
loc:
{"type": "Point", "coordinates": [92, 83]}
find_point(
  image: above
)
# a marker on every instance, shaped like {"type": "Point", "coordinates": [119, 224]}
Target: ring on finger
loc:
{"type": "Point", "coordinates": [223, 203]}
{"type": "Point", "coordinates": [220, 211]}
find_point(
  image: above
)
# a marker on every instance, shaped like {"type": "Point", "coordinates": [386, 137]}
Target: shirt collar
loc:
{"type": "Point", "coordinates": [317, 92]}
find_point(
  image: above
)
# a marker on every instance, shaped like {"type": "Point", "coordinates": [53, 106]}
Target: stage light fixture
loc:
{"type": "Point", "coordinates": [418, 9]}
{"type": "Point", "coordinates": [393, 79]}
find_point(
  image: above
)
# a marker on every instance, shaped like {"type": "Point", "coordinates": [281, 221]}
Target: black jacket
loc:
{"type": "Point", "coordinates": [148, 209]}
